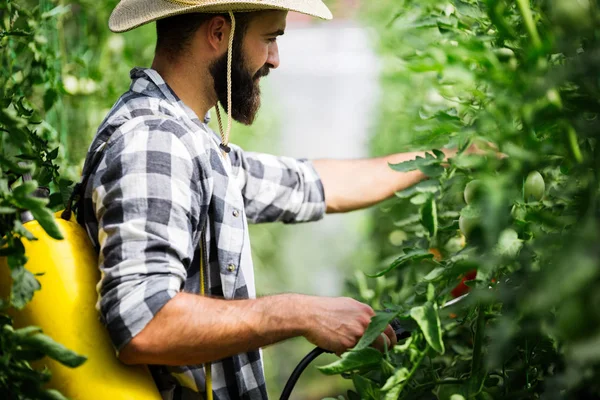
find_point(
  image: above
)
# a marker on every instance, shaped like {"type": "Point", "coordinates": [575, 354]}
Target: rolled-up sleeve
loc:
{"type": "Point", "coordinates": [278, 188]}
{"type": "Point", "coordinates": [143, 199]}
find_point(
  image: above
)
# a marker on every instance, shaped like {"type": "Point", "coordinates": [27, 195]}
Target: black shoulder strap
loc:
{"type": "Point", "coordinates": [77, 196]}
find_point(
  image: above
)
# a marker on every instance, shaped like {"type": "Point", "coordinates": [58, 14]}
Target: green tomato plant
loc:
{"type": "Point", "coordinates": [523, 76]}
{"type": "Point", "coordinates": [30, 85]}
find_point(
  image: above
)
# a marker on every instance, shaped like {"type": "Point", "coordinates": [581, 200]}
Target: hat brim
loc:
{"type": "Point", "coordinates": [130, 14]}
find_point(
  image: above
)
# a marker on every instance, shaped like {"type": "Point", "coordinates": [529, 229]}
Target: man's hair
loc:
{"type": "Point", "coordinates": [174, 34]}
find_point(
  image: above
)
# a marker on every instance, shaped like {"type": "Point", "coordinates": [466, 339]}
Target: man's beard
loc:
{"type": "Point", "coordinates": [245, 90]}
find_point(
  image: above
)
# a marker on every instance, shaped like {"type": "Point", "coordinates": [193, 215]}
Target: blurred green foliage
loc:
{"type": "Point", "coordinates": [523, 76]}
{"type": "Point", "coordinates": [30, 158]}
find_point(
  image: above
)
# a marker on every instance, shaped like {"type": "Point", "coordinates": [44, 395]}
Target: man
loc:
{"type": "Point", "coordinates": [168, 204]}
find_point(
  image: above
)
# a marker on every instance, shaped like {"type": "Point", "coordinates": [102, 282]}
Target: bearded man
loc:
{"type": "Point", "coordinates": [168, 201]}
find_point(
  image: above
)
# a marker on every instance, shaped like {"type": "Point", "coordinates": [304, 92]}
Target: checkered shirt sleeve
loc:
{"type": "Point", "coordinates": [145, 196]}
{"type": "Point", "coordinates": [278, 188]}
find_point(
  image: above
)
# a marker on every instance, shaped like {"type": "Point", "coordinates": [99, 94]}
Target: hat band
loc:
{"type": "Point", "coordinates": [185, 2]}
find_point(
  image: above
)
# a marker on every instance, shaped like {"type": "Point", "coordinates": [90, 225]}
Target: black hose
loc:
{"type": "Point", "coordinates": [399, 329]}
{"type": "Point", "coordinates": [289, 386]}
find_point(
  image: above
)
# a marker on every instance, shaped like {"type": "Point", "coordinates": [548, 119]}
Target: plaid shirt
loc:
{"type": "Point", "coordinates": [160, 180]}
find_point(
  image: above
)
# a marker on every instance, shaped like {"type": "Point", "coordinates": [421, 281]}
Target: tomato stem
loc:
{"type": "Point", "coordinates": [414, 368]}
{"type": "Point", "coordinates": [525, 10]}
{"type": "Point", "coordinates": [477, 370]}
{"type": "Point", "coordinates": [575, 149]}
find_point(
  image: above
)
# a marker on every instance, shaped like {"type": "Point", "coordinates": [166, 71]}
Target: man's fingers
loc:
{"type": "Point", "coordinates": [382, 342]}
{"type": "Point", "coordinates": [389, 331]}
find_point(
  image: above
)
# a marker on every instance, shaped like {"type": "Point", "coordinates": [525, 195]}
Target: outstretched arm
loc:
{"type": "Point", "coordinates": [354, 184]}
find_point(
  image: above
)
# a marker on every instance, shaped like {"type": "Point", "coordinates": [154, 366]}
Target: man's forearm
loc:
{"type": "Point", "coordinates": [192, 329]}
{"type": "Point", "coordinates": [355, 184]}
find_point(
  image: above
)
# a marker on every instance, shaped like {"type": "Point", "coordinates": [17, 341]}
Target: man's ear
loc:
{"type": "Point", "coordinates": [217, 33]}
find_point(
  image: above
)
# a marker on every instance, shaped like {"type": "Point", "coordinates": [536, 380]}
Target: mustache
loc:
{"type": "Point", "coordinates": [264, 71]}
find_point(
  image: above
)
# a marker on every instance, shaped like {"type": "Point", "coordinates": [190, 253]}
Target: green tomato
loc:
{"type": "Point", "coordinates": [471, 189]}
{"type": "Point", "coordinates": [467, 224]}
{"type": "Point", "coordinates": [535, 187]}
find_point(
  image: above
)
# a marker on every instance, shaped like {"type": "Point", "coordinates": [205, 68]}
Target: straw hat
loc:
{"type": "Point", "coordinates": [129, 14]}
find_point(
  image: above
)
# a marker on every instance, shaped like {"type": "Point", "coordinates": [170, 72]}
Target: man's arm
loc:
{"type": "Point", "coordinates": [192, 329]}
{"type": "Point", "coordinates": [354, 184]}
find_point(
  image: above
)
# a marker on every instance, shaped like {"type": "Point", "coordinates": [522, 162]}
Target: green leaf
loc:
{"type": "Point", "coordinates": [28, 355]}
{"type": "Point", "coordinates": [24, 285]}
{"type": "Point", "coordinates": [412, 255]}
{"type": "Point", "coordinates": [429, 165]}
{"type": "Point", "coordinates": [434, 274]}
{"type": "Point", "coordinates": [428, 320]}
{"type": "Point", "coordinates": [16, 33]}
{"type": "Point", "coordinates": [46, 219]}
{"type": "Point", "coordinates": [30, 202]}
{"type": "Point", "coordinates": [378, 324]}
{"type": "Point", "coordinates": [56, 11]}
{"type": "Point", "coordinates": [50, 98]}
{"type": "Point", "coordinates": [509, 243]}
{"type": "Point", "coordinates": [401, 348]}
{"type": "Point", "coordinates": [420, 198]}
{"type": "Point", "coordinates": [53, 154]}
{"type": "Point", "coordinates": [24, 332]}
{"type": "Point", "coordinates": [66, 189]}
{"type": "Point", "coordinates": [54, 350]}
{"type": "Point", "coordinates": [353, 361]}
{"type": "Point", "coordinates": [429, 217]}
{"type": "Point", "coordinates": [399, 376]}
{"type": "Point", "coordinates": [14, 167]}
{"type": "Point", "coordinates": [451, 392]}
{"type": "Point", "coordinates": [366, 388]}
{"type": "Point", "coordinates": [430, 292]}
{"type": "Point", "coordinates": [428, 186]}
{"type": "Point", "coordinates": [52, 394]}
{"type": "Point", "coordinates": [24, 190]}
{"type": "Point", "coordinates": [20, 229]}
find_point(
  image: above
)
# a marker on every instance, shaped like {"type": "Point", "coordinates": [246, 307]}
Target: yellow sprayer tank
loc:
{"type": "Point", "coordinates": [65, 309]}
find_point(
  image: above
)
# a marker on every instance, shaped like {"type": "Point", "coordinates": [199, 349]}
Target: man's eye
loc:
{"type": "Point", "coordinates": [272, 40]}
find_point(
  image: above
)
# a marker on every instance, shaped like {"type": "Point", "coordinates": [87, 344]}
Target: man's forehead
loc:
{"type": "Point", "coordinates": [269, 21]}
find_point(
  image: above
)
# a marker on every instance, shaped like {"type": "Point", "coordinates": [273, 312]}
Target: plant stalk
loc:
{"type": "Point", "coordinates": [525, 9]}
{"type": "Point", "coordinates": [414, 369]}
{"type": "Point", "coordinates": [477, 371]}
{"type": "Point", "coordinates": [575, 149]}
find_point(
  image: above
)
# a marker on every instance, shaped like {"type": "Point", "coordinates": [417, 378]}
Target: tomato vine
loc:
{"type": "Point", "coordinates": [516, 227]}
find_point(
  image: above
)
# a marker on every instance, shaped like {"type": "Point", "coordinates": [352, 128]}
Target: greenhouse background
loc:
{"type": "Point", "coordinates": [512, 219]}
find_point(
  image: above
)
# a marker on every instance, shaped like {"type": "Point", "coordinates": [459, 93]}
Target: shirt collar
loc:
{"type": "Point", "coordinates": [148, 81]}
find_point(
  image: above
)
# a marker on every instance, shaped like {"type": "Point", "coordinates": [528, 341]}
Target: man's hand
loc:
{"type": "Point", "coordinates": [337, 324]}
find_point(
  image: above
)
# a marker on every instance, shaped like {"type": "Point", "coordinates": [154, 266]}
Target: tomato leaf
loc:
{"type": "Point", "coordinates": [366, 388]}
{"type": "Point", "coordinates": [46, 219]}
{"type": "Point", "coordinates": [52, 349]}
{"type": "Point", "coordinates": [24, 285]}
{"type": "Point", "coordinates": [430, 165]}
{"type": "Point", "coordinates": [353, 361]}
{"type": "Point", "coordinates": [412, 255]}
{"type": "Point", "coordinates": [428, 320]}
{"type": "Point", "coordinates": [394, 381]}
{"type": "Point", "coordinates": [428, 186]}
{"type": "Point", "coordinates": [429, 217]}
{"type": "Point", "coordinates": [378, 324]}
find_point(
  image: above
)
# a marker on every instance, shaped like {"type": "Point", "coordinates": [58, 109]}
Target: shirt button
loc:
{"type": "Point", "coordinates": [236, 213]}
{"type": "Point", "coordinates": [231, 267]}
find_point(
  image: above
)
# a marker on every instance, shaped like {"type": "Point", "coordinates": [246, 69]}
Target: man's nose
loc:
{"type": "Point", "coordinates": [273, 58]}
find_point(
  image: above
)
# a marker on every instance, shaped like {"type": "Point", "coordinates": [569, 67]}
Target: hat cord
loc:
{"type": "Point", "coordinates": [226, 149]}
{"type": "Point", "coordinates": [225, 136]}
